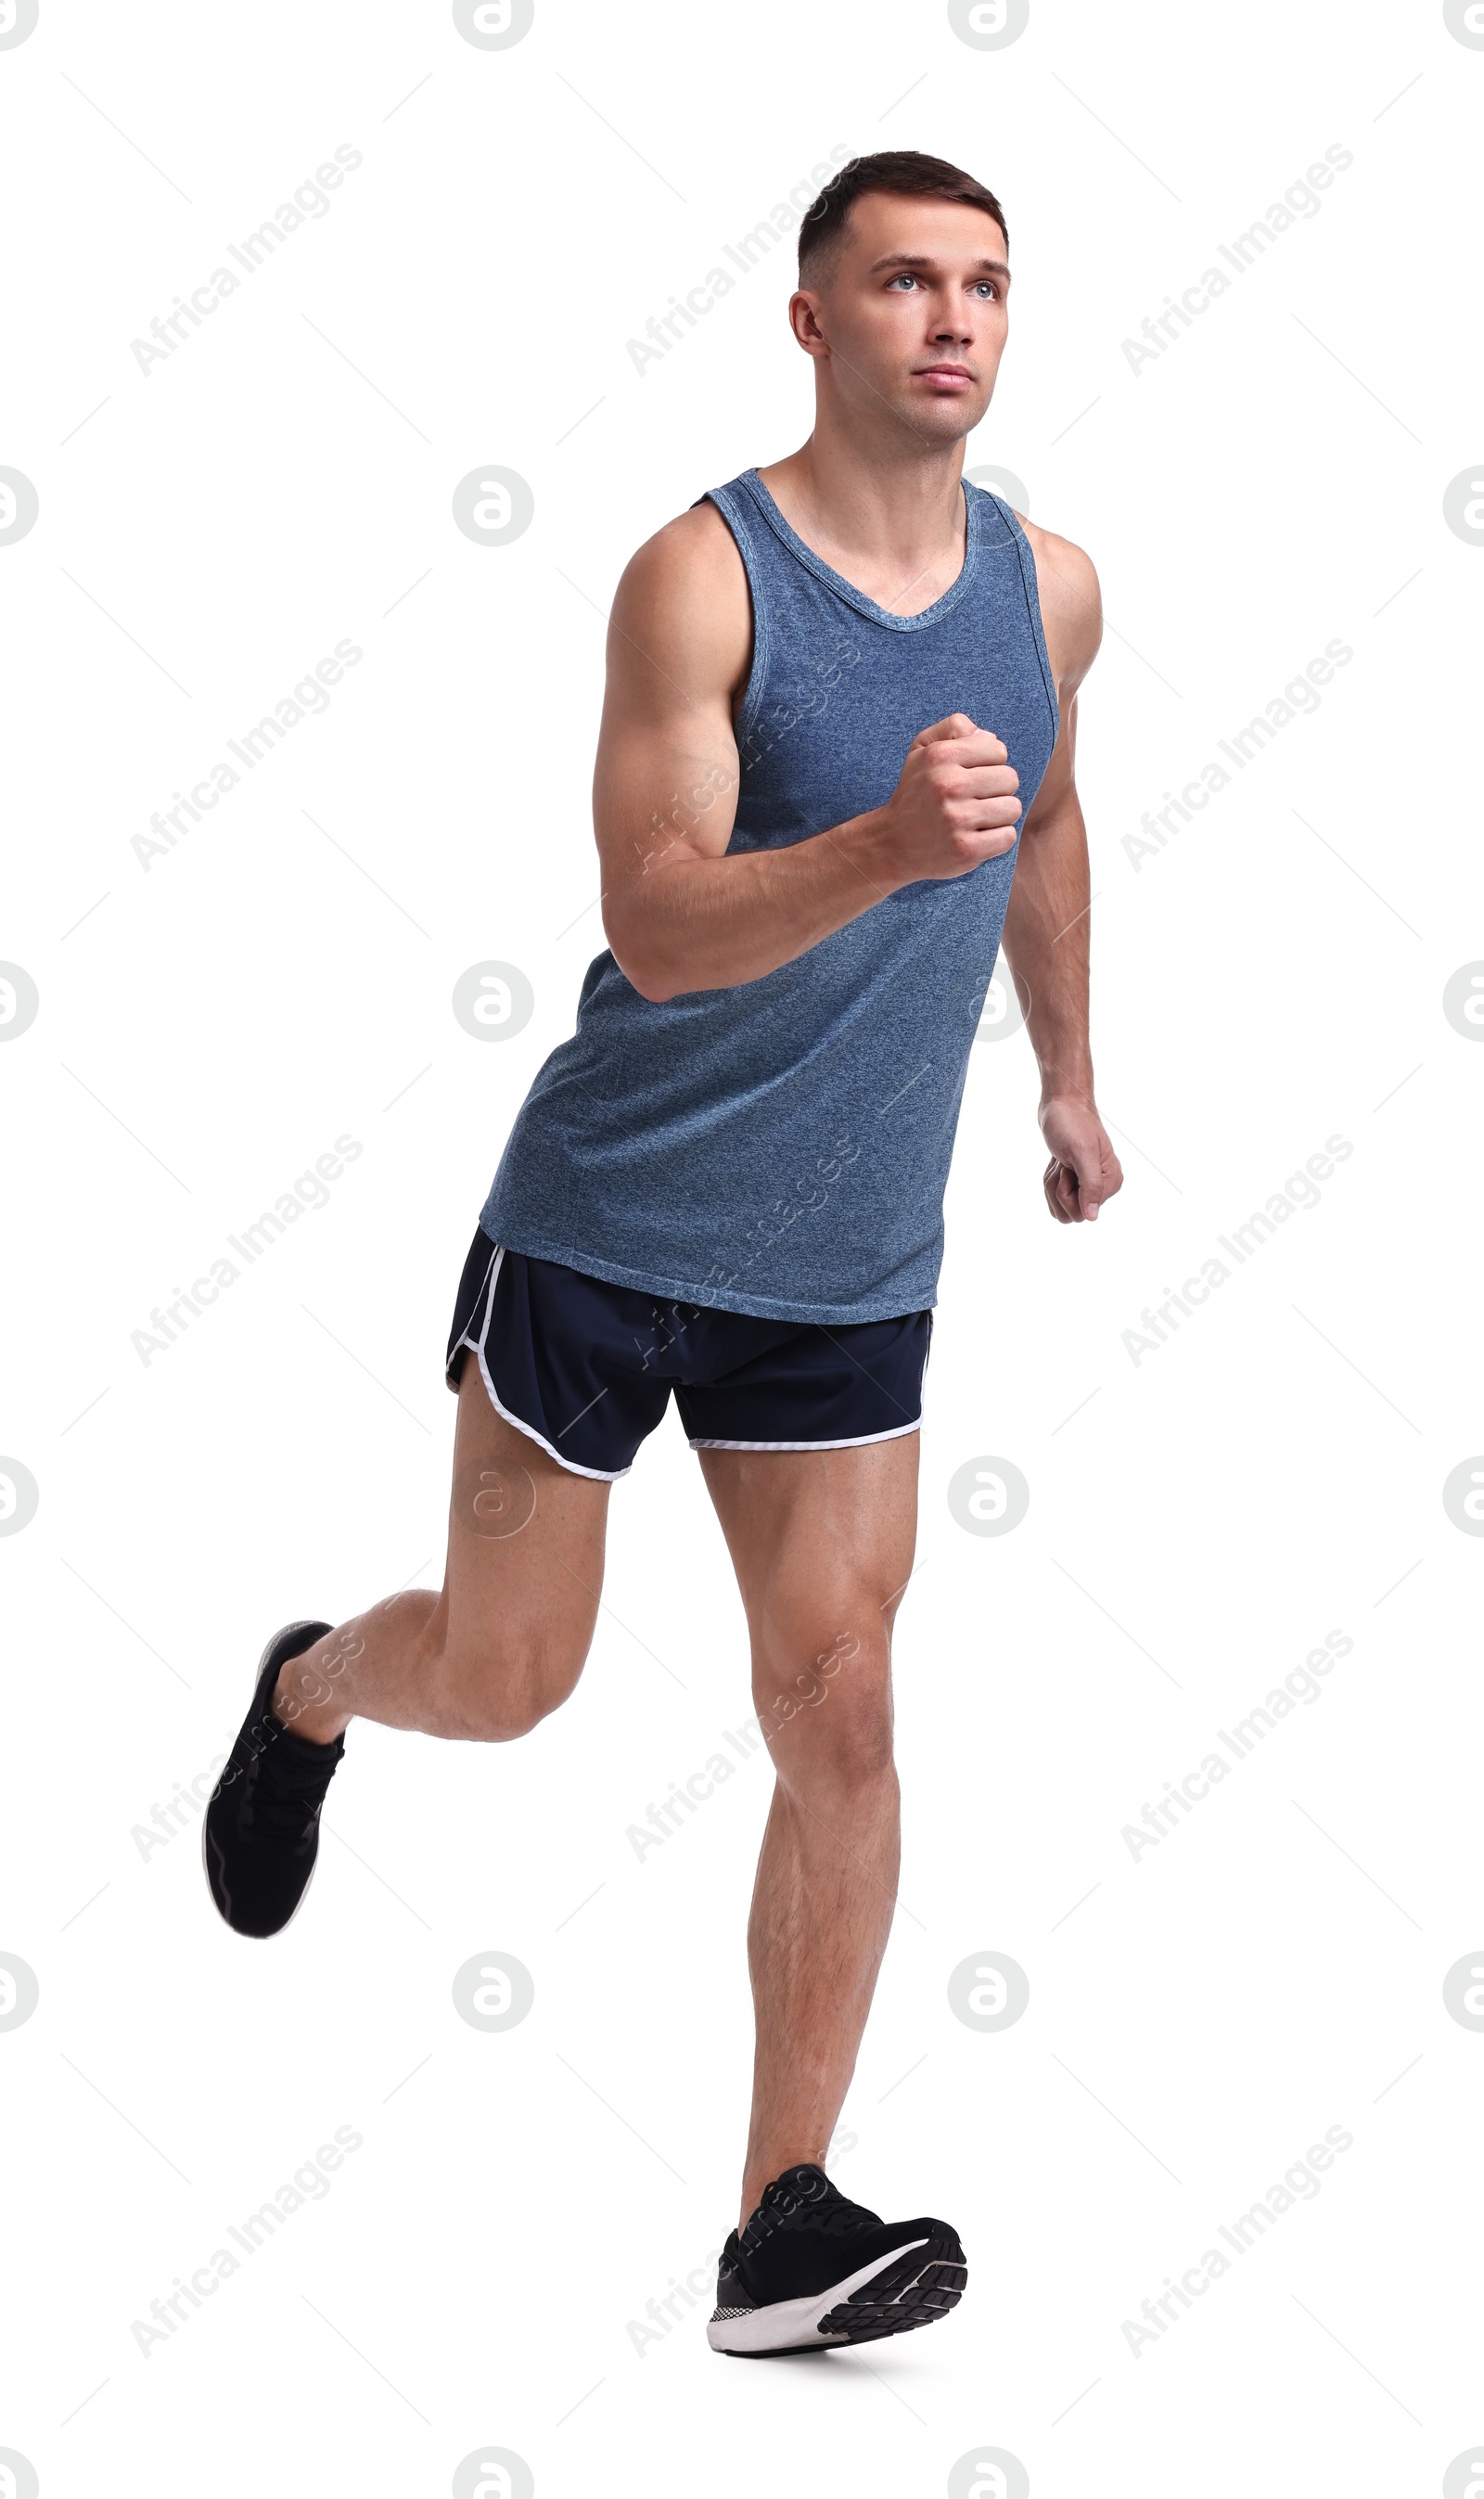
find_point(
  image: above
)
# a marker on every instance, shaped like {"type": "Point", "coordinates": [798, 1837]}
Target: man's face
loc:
{"type": "Point", "coordinates": [914, 315]}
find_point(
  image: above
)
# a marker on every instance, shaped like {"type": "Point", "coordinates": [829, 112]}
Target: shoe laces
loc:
{"type": "Point", "coordinates": [804, 2198]}
{"type": "Point", "coordinates": [288, 1791]}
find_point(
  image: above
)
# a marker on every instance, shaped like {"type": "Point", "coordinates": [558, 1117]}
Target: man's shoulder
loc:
{"type": "Point", "coordinates": [1071, 599]}
{"type": "Point", "coordinates": [685, 590]}
{"type": "Point", "coordinates": [695, 546]}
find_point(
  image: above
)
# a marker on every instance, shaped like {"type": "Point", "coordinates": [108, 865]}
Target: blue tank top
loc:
{"type": "Point", "coordinates": [783, 1148]}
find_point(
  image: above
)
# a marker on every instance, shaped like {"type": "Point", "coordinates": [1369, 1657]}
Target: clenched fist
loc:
{"type": "Point", "coordinates": [953, 807]}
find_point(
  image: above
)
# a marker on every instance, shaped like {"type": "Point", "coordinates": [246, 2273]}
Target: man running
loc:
{"type": "Point", "coordinates": [839, 718]}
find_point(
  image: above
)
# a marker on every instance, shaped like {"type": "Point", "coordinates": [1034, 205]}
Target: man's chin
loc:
{"type": "Point", "coordinates": [945, 416]}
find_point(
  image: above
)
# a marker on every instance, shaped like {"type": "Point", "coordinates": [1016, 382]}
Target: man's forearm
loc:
{"type": "Point", "coordinates": [713, 923]}
{"type": "Point", "coordinates": [1048, 942]}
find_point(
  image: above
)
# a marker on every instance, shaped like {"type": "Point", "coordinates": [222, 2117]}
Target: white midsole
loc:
{"type": "Point", "coordinates": [796, 2320]}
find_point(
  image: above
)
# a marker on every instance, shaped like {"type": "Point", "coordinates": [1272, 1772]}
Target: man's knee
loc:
{"type": "Point", "coordinates": [497, 1690]}
{"type": "Point", "coordinates": [855, 1748]}
{"type": "Point", "coordinates": [831, 1724]}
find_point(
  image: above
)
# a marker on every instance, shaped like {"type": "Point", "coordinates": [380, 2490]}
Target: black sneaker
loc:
{"type": "Point", "coordinates": [261, 1833]}
{"type": "Point", "coordinates": [811, 2270]}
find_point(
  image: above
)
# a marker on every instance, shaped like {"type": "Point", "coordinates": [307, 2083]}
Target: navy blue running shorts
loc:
{"type": "Point", "coordinates": [585, 1368]}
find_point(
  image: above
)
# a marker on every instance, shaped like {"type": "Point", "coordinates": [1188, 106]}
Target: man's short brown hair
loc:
{"type": "Point", "coordinates": [900, 170]}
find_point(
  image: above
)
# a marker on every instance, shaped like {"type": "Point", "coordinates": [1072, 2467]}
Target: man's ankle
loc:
{"type": "Point", "coordinates": [754, 2183]}
{"type": "Point", "coordinates": [302, 1716]}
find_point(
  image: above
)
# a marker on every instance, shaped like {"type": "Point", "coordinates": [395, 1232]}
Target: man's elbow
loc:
{"type": "Point", "coordinates": [654, 992]}
{"type": "Point", "coordinates": [646, 977]}
{"type": "Point", "coordinates": [637, 964]}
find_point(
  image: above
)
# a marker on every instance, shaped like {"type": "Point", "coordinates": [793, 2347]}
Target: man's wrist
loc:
{"type": "Point", "coordinates": [865, 841]}
{"type": "Point", "coordinates": [1074, 1091]}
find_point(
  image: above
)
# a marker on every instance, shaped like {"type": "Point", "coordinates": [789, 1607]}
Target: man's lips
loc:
{"type": "Point", "coordinates": [954, 377]}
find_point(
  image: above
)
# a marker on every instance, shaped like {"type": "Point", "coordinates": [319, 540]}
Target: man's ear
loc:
{"type": "Point", "coordinates": [804, 321]}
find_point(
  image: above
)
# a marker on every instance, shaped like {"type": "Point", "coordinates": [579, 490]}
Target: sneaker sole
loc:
{"type": "Point", "coordinates": [283, 1633]}
{"type": "Point", "coordinates": [914, 2285]}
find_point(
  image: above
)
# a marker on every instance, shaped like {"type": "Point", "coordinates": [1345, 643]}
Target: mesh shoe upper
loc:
{"type": "Point", "coordinates": [262, 1824]}
{"type": "Point", "coordinates": [804, 2237]}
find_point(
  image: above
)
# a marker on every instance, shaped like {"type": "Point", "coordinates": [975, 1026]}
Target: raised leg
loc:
{"type": "Point", "coordinates": [504, 1640]}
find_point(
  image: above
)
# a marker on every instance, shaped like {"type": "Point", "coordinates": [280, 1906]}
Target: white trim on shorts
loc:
{"type": "Point", "coordinates": [602, 1474]}
{"type": "Point", "coordinates": [897, 1432]}
{"type": "Point", "coordinates": [595, 1475]}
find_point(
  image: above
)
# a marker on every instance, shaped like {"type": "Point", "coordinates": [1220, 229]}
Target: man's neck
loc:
{"type": "Point", "coordinates": [891, 521]}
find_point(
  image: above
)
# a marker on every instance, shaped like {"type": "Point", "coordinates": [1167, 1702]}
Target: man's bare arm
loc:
{"type": "Point", "coordinates": [678, 914]}
{"type": "Point", "coordinates": [1047, 926]}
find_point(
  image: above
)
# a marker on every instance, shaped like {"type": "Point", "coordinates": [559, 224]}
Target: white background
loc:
{"type": "Point", "coordinates": [1198, 1522]}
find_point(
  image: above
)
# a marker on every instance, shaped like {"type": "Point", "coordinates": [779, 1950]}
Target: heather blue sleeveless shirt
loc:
{"type": "Point", "coordinates": [783, 1148]}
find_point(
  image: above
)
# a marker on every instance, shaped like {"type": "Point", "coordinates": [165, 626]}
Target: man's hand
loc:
{"type": "Point", "coordinates": [1084, 1170]}
{"type": "Point", "coordinates": [953, 806]}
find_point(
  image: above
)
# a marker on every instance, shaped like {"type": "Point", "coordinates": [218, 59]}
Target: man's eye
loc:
{"type": "Point", "coordinates": [903, 277]}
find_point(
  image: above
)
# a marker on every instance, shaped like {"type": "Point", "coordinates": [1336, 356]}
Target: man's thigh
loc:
{"type": "Point", "coordinates": [525, 1542]}
{"type": "Point", "coordinates": [822, 1541]}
